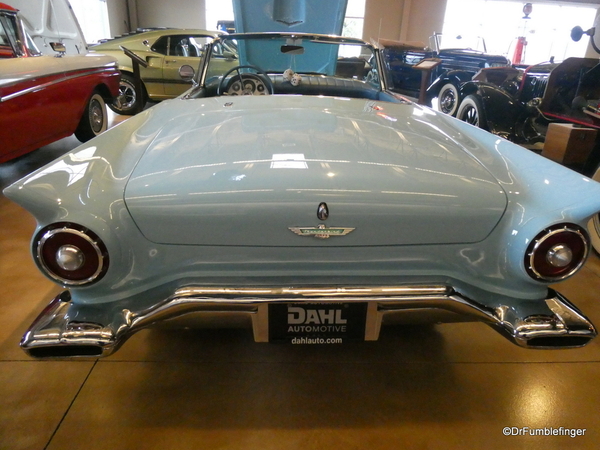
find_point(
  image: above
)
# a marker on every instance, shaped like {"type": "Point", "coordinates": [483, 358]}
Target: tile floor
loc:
{"type": "Point", "coordinates": [441, 387]}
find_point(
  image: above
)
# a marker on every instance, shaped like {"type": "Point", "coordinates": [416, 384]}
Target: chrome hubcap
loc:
{"type": "Point", "coordinates": [96, 116]}
{"type": "Point", "coordinates": [447, 102]}
{"type": "Point", "coordinates": [126, 96]}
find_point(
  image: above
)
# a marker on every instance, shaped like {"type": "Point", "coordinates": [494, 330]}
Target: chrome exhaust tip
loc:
{"type": "Point", "coordinates": [64, 351]}
{"type": "Point", "coordinates": [53, 335]}
{"type": "Point", "coordinates": [558, 342]}
{"type": "Point", "coordinates": [559, 325]}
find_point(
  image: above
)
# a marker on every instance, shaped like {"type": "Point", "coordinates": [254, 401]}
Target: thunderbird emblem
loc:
{"type": "Point", "coordinates": [321, 231]}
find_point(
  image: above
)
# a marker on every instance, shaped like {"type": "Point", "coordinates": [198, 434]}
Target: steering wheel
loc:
{"type": "Point", "coordinates": [257, 83]}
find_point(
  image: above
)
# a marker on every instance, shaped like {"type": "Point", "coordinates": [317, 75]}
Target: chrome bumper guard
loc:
{"type": "Point", "coordinates": [555, 323]}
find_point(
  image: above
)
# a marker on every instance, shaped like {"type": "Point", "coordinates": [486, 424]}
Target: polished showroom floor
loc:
{"type": "Point", "coordinates": [440, 387]}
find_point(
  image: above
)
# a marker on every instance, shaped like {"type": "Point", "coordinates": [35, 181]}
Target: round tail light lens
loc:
{"type": "Point", "coordinates": [557, 253]}
{"type": "Point", "coordinates": [71, 254]}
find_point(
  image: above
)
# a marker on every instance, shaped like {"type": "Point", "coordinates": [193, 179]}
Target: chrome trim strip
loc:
{"type": "Point", "coordinates": [48, 84]}
{"type": "Point", "coordinates": [553, 323]}
{"type": "Point", "coordinates": [165, 81]}
{"type": "Point", "coordinates": [286, 294]}
{"type": "Point", "coordinates": [316, 37]}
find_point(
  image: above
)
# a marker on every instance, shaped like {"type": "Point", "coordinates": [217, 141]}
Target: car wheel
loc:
{"type": "Point", "coordinates": [594, 223]}
{"type": "Point", "coordinates": [471, 111]}
{"type": "Point", "coordinates": [94, 120]}
{"type": "Point", "coordinates": [448, 99]}
{"type": "Point", "coordinates": [128, 100]}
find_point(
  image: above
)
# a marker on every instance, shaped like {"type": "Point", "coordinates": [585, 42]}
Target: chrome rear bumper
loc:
{"type": "Point", "coordinates": [554, 323]}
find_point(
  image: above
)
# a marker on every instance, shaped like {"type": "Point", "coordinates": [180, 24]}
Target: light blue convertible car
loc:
{"type": "Point", "coordinates": [297, 195]}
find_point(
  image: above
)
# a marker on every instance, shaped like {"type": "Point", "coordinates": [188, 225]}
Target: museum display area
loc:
{"type": "Point", "coordinates": [298, 240]}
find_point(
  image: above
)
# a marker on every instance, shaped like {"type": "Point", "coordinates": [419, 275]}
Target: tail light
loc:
{"type": "Point", "coordinates": [71, 254]}
{"type": "Point", "coordinates": [557, 252]}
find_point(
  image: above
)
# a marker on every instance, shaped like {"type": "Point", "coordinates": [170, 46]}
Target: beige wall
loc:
{"type": "Point", "coordinates": [173, 13]}
{"type": "Point", "coordinates": [118, 17]}
{"type": "Point", "coordinates": [403, 20]}
{"type": "Point", "coordinates": [155, 13]}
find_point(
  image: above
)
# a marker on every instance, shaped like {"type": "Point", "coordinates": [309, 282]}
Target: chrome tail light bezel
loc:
{"type": "Point", "coordinates": [55, 236]}
{"type": "Point", "coordinates": [537, 264]}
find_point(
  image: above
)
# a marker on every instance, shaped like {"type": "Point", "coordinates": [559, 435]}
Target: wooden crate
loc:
{"type": "Point", "coordinates": [567, 143]}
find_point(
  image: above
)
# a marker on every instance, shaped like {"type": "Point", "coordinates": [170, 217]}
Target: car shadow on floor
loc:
{"type": "Point", "coordinates": [222, 379]}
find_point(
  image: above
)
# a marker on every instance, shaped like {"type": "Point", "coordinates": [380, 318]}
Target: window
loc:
{"type": "Point", "coordinates": [189, 46]}
{"type": "Point", "coordinates": [161, 45]}
{"type": "Point", "coordinates": [217, 10]}
{"type": "Point", "coordinates": [355, 19]}
{"type": "Point", "coordinates": [6, 50]}
{"type": "Point", "coordinates": [501, 23]}
{"type": "Point", "coordinates": [92, 16]}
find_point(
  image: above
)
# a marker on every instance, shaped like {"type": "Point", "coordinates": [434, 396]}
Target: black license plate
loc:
{"type": "Point", "coordinates": [317, 323]}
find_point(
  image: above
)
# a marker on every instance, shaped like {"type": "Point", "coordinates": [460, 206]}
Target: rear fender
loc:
{"type": "Point", "coordinates": [457, 77]}
{"type": "Point", "coordinates": [502, 112]}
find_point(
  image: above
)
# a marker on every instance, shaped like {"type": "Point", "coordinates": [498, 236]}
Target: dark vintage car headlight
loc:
{"type": "Point", "coordinates": [71, 254]}
{"type": "Point", "coordinates": [557, 252]}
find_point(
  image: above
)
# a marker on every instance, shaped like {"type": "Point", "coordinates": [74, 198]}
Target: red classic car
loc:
{"type": "Point", "coordinates": [46, 98]}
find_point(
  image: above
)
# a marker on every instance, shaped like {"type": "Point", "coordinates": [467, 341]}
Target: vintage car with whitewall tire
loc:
{"type": "Point", "coordinates": [164, 51]}
{"type": "Point", "coordinates": [457, 65]}
{"type": "Point", "coordinates": [520, 104]}
{"type": "Point", "coordinates": [308, 202]}
{"type": "Point", "coordinates": [46, 98]}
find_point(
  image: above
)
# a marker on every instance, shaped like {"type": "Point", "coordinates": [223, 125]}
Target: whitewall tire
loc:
{"type": "Point", "coordinates": [448, 99]}
{"type": "Point", "coordinates": [594, 223]}
{"type": "Point", "coordinates": [94, 119]}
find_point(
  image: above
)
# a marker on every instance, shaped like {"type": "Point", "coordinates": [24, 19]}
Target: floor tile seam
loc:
{"type": "Point", "coordinates": [594, 272]}
{"type": "Point", "coordinates": [46, 361]}
{"type": "Point", "coordinates": [348, 362]}
{"type": "Point", "coordinates": [70, 405]}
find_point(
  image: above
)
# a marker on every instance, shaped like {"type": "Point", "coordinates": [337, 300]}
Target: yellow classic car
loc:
{"type": "Point", "coordinates": [164, 51]}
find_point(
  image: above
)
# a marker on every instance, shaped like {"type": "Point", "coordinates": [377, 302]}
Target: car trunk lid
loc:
{"type": "Point", "coordinates": [256, 176]}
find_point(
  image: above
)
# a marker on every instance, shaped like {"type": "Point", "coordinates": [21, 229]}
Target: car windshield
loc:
{"type": "Point", "coordinates": [460, 41]}
{"type": "Point", "coordinates": [258, 64]}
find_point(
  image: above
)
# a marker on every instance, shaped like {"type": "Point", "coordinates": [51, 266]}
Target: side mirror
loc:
{"type": "Point", "coordinates": [186, 73]}
{"type": "Point", "coordinates": [577, 33]}
{"type": "Point", "coordinates": [58, 47]}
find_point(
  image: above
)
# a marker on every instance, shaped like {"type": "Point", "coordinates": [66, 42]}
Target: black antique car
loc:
{"type": "Point", "coordinates": [519, 104]}
{"type": "Point", "coordinates": [456, 65]}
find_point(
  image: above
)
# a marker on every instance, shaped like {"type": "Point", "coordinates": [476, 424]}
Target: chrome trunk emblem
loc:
{"type": "Point", "coordinates": [323, 211]}
{"type": "Point", "coordinates": [321, 231]}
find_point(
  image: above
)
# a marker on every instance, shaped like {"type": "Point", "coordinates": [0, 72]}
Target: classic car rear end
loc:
{"type": "Point", "coordinates": [311, 218]}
